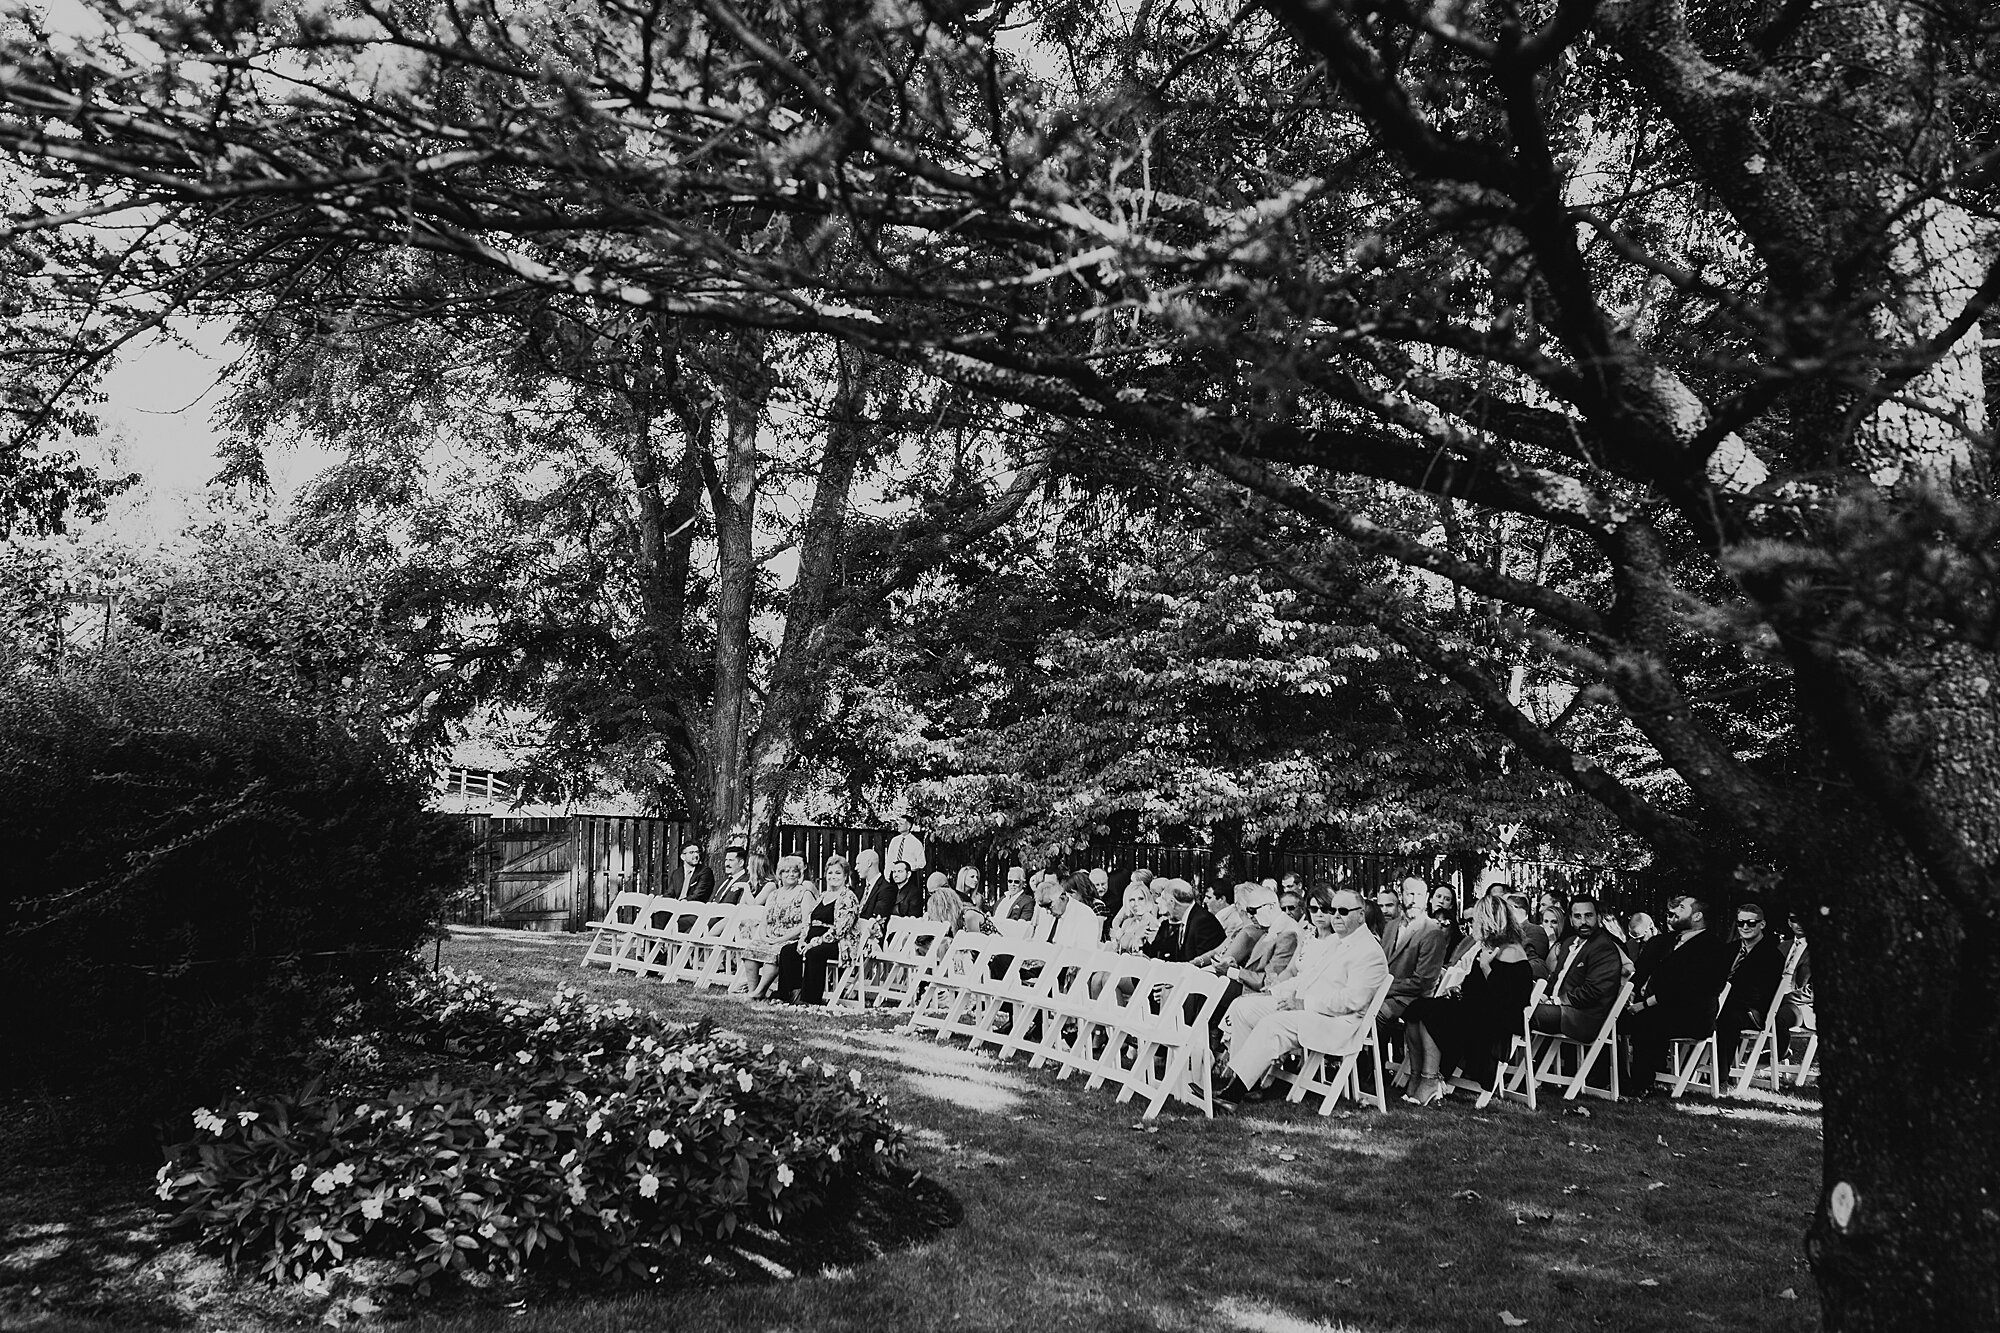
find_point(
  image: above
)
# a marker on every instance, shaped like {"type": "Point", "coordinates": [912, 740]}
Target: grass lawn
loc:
{"type": "Point", "coordinates": [1668, 1217]}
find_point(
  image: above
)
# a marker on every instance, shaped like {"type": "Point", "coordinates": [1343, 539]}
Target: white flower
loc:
{"type": "Point", "coordinates": [406, 1193]}
{"type": "Point", "coordinates": [245, 1117]}
{"type": "Point", "coordinates": [371, 1208]}
{"type": "Point", "coordinates": [768, 1048]}
{"type": "Point", "coordinates": [323, 1183]}
{"type": "Point", "coordinates": [299, 1171]}
{"type": "Point", "coordinates": [405, 1121]}
{"type": "Point", "coordinates": [343, 1174]}
{"type": "Point", "coordinates": [743, 1079]}
{"type": "Point", "coordinates": [577, 1193]}
{"type": "Point", "coordinates": [165, 1189]}
{"type": "Point", "coordinates": [854, 1077]}
{"type": "Point", "coordinates": [657, 1139]}
{"type": "Point", "coordinates": [879, 1145]}
{"type": "Point", "coordinates": [523, 1058]}
{"type": "Point", "coordinates": [488, 1230]}
{"type": "Point", "coordinates": [313, 1232]}
{"type": "Point", "coordinates": [728, 1116]}
{"type": "Point", "coordinates": [209, 1121]}
{"type": "Point", "coordinates": [554, 1110]}
{"type": "Point", "coordinates": [610, 1216]}
{"type": "Point", "coordinates": [834, 1152]}
{"type": "Point", "coordinates": [784, 1175]}
{"type": "Point", "coordinates": [592, 1125]}
{"type": "Point", "coordinates": [806, 1062]}
{"type": "Point", "coordinates": [649, 1185]}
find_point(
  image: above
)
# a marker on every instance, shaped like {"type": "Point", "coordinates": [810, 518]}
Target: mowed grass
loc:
{"type": "Point", "coordinates": [1668, 1217]}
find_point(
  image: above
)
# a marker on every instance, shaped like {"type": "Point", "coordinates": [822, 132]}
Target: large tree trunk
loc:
{"type": "Point", "coordinates": [1907, 1233]}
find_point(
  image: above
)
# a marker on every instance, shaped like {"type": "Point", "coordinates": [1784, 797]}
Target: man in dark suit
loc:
{"type": "Point", "coordinates": [1673, 989]}
{"type": "Point", "coordinates": [877, 891]}
{"type": "Point", "coordinates": [909, 889]}
{"type": "Point", "coordinates": [735, 886]}
{"type": "Point", "coordinates": [1756, 961]}
{"type": "Point", "coordinates": [694, 882]}
{"type": "Point", "coordinates": [1588, 970]}
{"type": "Point", "coordinates": [1189, 931]}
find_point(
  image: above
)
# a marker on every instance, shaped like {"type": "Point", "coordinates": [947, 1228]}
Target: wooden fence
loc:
{"type": "Point", "coordinates": [557, 873]}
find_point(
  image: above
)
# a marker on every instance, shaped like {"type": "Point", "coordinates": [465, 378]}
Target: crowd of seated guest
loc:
{"type": "Point", "coordinates": [1456, 991]}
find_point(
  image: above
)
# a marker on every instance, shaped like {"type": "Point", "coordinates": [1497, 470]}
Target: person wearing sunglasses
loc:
{"type": "Point", "coordinates": [1333, 981]}
{"type": "Point", "coordinates": [1756, 962]}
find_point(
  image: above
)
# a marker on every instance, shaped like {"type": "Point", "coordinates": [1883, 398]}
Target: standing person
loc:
{"type": "Point", "coordinates": [735, 886]}
{"type": "Point", "coordinates": [693, 882]}
{"type": "Point", "coordinates": [908, 848]}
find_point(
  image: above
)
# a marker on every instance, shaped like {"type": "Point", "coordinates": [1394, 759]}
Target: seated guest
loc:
{"type": "Point", "coordinates": [1755, 964]}
{"type": "Point", "coordinates": [1242, 931]}
{"type": "Point", "coordinates": [1187, 929]}
{"type": "Point", "coordinates": [1639, 928]}
{"type": "Point", "coordinates": [1673, 990]}
{"type": "Point", "coordinates": [945, 904]}
{"type": "Point", "coordinates": [1795, 1005]}
{"type": "Point", "coordinates": [1467, 1026]}
{"type": "Point", "coordinates": [1136, 920]}
{"type": "Point", "coordinates": [1270, 957]}
{"type": "Point", "coordinates": [1014, 914]}
{"type": "Point", "coordinates": [1589, 969]}
{"type": "Point", "coordinates": [1335, 980]}
{"type": "Point", "coordinates": [909, 888]}
{"type": "Point", "coordinates": [1415, 948]}
{"type": "Point", "coordinates": [784, 922]}
{"type": "Point", "coordinates": [832, 930]}
{"type": "Point", "coordinates": [1065, 917]}
{"type": "Point", "coordinates": [693, 882]}
{"type": "Point", "coordinates": [735, 886]}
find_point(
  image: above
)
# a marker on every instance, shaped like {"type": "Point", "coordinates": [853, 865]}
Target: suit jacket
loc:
{"type": "Point", "coordinates": [731, 891]}
{"type": "Point", "coordinates": [910, 898]}
{"type": "Point", "coordinates": [1682, 975]}
{"type": "Point", "coordinates": [1753, 984]}
{"type": "Point", "coordinates": [1535, 942]}
{"type": "Point", "coordinates": [1271, 958]}
{"type": "Point", "coordinates": [1336, 978]}
{"type": "Point", "coordinates": [698, 887]}
{"type": "Point", "coordinates": [1415, 949]}
{"type": "Point", "coordinates": [878, 899]}
{"type": "Point", "coordinates": [1201, 933]}
{"type": "Point", "coordinates": [1591, 981]}
{"type": "Point", "coordinates": [1078, 925]}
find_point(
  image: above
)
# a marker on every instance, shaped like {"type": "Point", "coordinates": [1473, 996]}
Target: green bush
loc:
{"type": "Point", "coordinates": [201, 881]}
{"type": "Point", "coordinates": [590, 1139]}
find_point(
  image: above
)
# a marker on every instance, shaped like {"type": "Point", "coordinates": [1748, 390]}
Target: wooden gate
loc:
{"type": "Point", "coordinates": [523, 873]}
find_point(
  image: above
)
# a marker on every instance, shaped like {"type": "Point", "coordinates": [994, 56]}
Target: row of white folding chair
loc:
{"type": "Point", "coordinates": [888, 974]}
{"type": "Point", "coordinates": [693, 942]}
{"type": "Point", "coordinates": [1510, 1074]}
{"type": "Point", "coordinates": [1111, 1016]}
{"type": "Point", "coordinates": [1345, 1063]}
{"type": "Point", "coordinates": [612, 937]}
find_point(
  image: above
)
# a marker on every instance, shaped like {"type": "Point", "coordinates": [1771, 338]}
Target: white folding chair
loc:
{"type": "Point", "coordinates": [1173, 1057]}
{"type": "Point", "coordinates": [614, 934]}
{"type": "Point", "coordinates": [1312, 1078]}
{"type": "Point", "coordinates": [1763, 1052]}
{"type": "Point", "coordinates": [1692, 1057]}
{"type": "Point", "coordinates": [655, 939]}
{"type": "Point", "coordinates": [952, 999]}
{"type": "Point", "coordinates": [1603, 1047]}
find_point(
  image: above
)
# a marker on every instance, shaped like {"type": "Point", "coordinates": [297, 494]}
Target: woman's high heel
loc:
{"type": "Point", "coordinates": [1427, 1092]}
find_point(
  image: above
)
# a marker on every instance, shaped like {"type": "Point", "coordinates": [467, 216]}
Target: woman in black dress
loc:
{"type": "Point", "coordinates": [1466, 1026]}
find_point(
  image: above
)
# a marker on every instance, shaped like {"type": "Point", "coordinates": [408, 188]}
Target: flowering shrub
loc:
{"type": "Point", "coordinates": [595, 1138]}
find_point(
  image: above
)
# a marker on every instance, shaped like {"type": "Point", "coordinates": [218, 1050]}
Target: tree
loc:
{"type": "Point", "coordinates": [602, 513]}
{"type": "Point", "coordinates": [1693, 289]}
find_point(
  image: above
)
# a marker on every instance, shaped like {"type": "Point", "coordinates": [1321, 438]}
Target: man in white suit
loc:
{"type": "Point", "coordinates": [1335, 979]}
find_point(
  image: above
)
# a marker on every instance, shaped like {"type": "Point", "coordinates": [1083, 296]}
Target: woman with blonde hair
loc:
{"type": "Point", "coordinates": [1466, 1026]}
{"type": "Point", "coordinates": [831, 932]}
{"type": "Point", "coordinates": [785, 913]}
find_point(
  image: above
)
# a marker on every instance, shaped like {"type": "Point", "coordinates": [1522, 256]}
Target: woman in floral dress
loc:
{"type": "Point", "coordinates": [784, 921]}
{"type": "Point", "coordinates": [832, 932]}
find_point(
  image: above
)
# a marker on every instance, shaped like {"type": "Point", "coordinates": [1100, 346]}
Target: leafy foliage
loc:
{"type": "Point", "coordinates": [201, 878]}
{"type": "Point", "coordinates": [594, 1139]}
